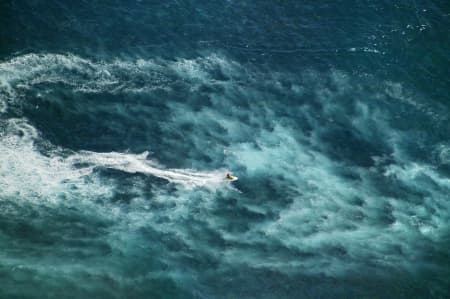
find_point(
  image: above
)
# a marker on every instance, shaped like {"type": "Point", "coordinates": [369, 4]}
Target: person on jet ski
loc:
{"type": "Point", "coordinates": [229, 176]}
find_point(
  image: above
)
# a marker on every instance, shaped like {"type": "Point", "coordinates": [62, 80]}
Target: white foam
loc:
{"type": "Point", "coordinates": [327, 210]}
{"type": "Point", "coordinates": [202, 67]}
{"type": "Point", "coordinates": [27, 174]}
{"type": "Point", "coordinates": [321, 213]}
{"type": "Point", "coordinates": [140, 164]}
{"type": "Point", "coordinates": [89, 76]}
{"type": "Point", "coordinates": [442, 152]}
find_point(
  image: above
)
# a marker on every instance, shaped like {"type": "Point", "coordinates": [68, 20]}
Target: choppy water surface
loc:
{"type": "Point", "coordinates": [119, 120]}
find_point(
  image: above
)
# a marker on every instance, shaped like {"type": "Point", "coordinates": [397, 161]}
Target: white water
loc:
{"type": "Point", "coordinates": [130, 163]}
{"type": "Point", "coordinates": [321, 215]}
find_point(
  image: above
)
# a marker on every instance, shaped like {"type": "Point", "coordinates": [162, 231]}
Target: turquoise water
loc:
{"type": "Point", "coordinates": [120, 119]}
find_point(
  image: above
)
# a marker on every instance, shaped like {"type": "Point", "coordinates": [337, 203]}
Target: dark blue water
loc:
{"type": "Point", "coordinates": [120, 119]}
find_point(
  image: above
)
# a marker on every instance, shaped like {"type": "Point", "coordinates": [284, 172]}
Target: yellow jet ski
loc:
{"type": "Point", "coordinates": [230, 177]}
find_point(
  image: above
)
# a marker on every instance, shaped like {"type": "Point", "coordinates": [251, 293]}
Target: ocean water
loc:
{"type": "Point", "coordinates": [120, 119]}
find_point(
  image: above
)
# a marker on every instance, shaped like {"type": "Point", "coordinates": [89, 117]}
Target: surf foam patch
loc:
{"type": "Point", "coordinates": [334, 163]}
{"type": "Point", "coordinates": [116, 76]}
{"type": "Point", "coordinates": [334, 215]}
{"type": "Point", "coordinates": [25, 173]}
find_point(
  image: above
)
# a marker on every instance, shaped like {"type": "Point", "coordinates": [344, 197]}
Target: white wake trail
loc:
{"type": "Point", "coordinates": [132, 163]}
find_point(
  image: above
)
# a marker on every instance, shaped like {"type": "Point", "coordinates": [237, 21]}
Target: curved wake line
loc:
{"type": "Point", "coordinates": [47, 175]}
{"type": "Point", "coordinates": [140, 164]}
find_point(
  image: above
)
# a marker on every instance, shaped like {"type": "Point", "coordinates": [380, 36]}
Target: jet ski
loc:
{"type": "Point", "coordinates": [230, 177]}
